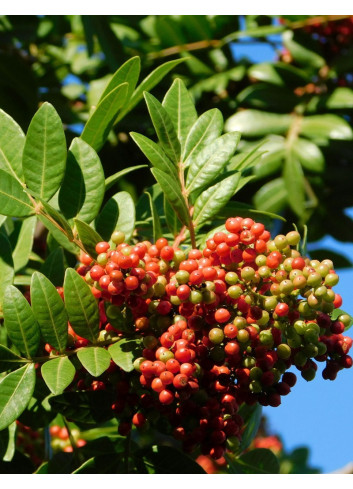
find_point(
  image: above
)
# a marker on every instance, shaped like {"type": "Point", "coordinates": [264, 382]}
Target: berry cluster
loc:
{"type": "Point", "coordinates": [219, 327]}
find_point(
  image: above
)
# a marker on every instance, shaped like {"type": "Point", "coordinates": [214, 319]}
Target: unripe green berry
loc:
{"type": "Point", "coordinates": [293, 238]}
{"type": "Point", "coordinates": [284, 351]}
{"type": "Point", "coordinates": [234, 291]}
{"type": "Point", "coordinates": [231, 278]}
{"type": "Point", "coordinates": [118, 237]}
{"type": "Point", "coordinates": [248, 274]}
{"type": "Point", "coordinates": [182, 276]}
{"type": "Point", "coordinates": [308, 374]}
{"type": "Point", "coordinates": [281, 242]}
{"type": "Point", "coordinates": [216, 336]}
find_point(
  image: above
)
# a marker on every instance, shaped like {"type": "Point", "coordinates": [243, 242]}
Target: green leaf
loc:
{"type": "Point", "coordinates": [325, 126]}
{"type": "Point", "coordinates": [21, 325]}
{"type": "Point", "coordinates": [12, 141]}
{"type": "Point", "coordinates": [128, 72]}
{"type": "Point", "coordinates": [255, 123]}
{"type": "Point", "coordinates": [173, 223]}
{"type": "Point", "coordinates": [340, 98]}
{"type": "Point", "coordinates": [113, 179]}
{"type": "Point", "coordinates": [24, 243]}
{"type": "Point", "coordinates": [300, 53]}
{"type": "Point", "coordinates": [59, 237]}
{"type": "Point", "coordinates": [280, 74]}
{"type": "Point", "coordinates": [252, 419]}
{"type": "Point", "coordinates": [168, 460]}
{"type": "Point", "coordinates": [95, 360]}
{"type": "Point", "coordinates": [271, 197]}
{"type": "Point", "coordinates": [155, 155]}
{"type": "Point", "coordinates": [181, 109]}
{"type": "Point", "coordinates": [38, 413]}
{"type": "Point", "coordinates": [101, 121]}
{"type": "Point", "coordinates": [294, 182]}
{"type": "Point", "coordinates": [49, 310]}
{"type": "Point", "coordinates": [268, 97]}
{"type": "Point", "coordinates": [54, 267]}
{"type": "Point", "coordinates": [117, 214]}
{"type": "Point", "coordinates": [207, 128]}
{"type": "Point", "coordinates": [210, 162]}
{"type": "Point", "coordinates": [164, 128]}
{"type": "Point", "coordinates": [257, 461]}
{"type": "Point", "coordinates": [82, 190]}
{"type": "Point", "coordinates": [8, 443]}
{"type": "Point", "coordinates": [7, 271]}
{"type": "Point", "coordinates": [124, 352]}
{"type": "Point", "coordinates": [87, 407]}
{"type": "Point", "coordinates": [272, 158]}
{"type": "Point", "coordinates": [148, 83]}
{"type": "Point", "coordinates": [58, 374]}
{"type": "Point", "coordinates": [9, 360]}
{"type": "Point", "coordinates": [173, 194]}
{"type": "Point", "coordinates": [309, 155]}
{"type": "Point", "coordinates": [337, 312]}
{"type": "Point", "coordinates": [44, 153]}
{"type": "Point", "coordinates": [212, 200]}
{"type": "Point", "coordinates": [13, 199]}
{"type": "Point", "coordinates": [157, 230]}
{"type": "Point", "coordinates": [81, 306]}
{"type": "Point", "coordinates": [88, 237]}
{"type": "Point", "coordinates": [16, 390]}
{"type": "Point", "coordinates": [58, 218]}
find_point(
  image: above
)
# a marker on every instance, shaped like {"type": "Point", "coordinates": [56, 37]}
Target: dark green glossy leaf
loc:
{"type": "Point", "coordinates": [128, 72]}
{"type": "Point", "coordinates": [124, 352]}
{"type": "Point", "coordinates": [309, 155]}
{"type": "Point", "coordinates": [280, 74]}
{"type": "Point", "coordinates": [294, 181]}
{"type": "Point", "coordinates": [300, 53]}
{"type": "Point", "coordinates": [8, 443]}
{"type": "Point", "coordinates": [61, 238]}
{"type": "Point", "coordinates": [257, 461]}
{"type": "Point", "coordinates": [148, 83]}
{"type": "Point", "coordinates": [255, 123]}
{"type": "Point", "coordinates": [210, 162]}
{"type": "Point", "coordinates": [21, 325]}
{"type": "Point", "coordinates": [168, 460]}
{"type": "Point", "coordinates": [117, 214]}
{"type": "Point", "coordinates": [82, 190]}
{"type": "Point", "coordinates": [155, 154]}
{"type": "Point", "coordinates": [95, 360]}
{"type": "Point", "coordinates": [13, 199]}
{"type": "Point", "coordinates": [9, 360]}
{"type": "Point", "coordinates": [272, 158]}
{"type": "Point", "coordinates": [7, 271]}
{"type": "Point", "coordinates": [58, 374]}
{"type": "Point", "coordinates": [157, 230]}
{"type": "Point", "coordinates": [88, 237]}
{"type": "Point", "coordinates": [325, 126]}
{"type": "Point", "coordinates": [164, 128]}
{"type": "Point", "coordinates": [181, 109]}
{"type": "Point", "coordinates": [252, 419]}
{"type": "Point", "coordinates": [88, 407]}
{"type": "Point", "coordinates": [212, 200]}
{"type": "Point", "coordinates": [264, 96]}
{"type": "Point", "coordinates": [173, 194]}
{"type": "Point", "coordinates": [173, 223]}
{"type": "Point", "coordinates": [207, 128]}
{"type": "Point", "coordinates": [44, 153]}
{"type": "Point", "coordinates": [12, 141]}
{"type": "Point", "coordinates": [38, 413]}
{"type": "Point", "coordinates": [51, 214]}
{"type": "Point", "coordinates": [16, 390]}
{"type": "Point", "coordinates": [54, 267]}
{"type": "Point", "coordinates": [272, 197]}
{"type": "Point", "coordinates": [81, 306]}
{"type": "Point", "coordinates": [24, 244]}
{"type": "Point", "coordinates": [49, 310]}
{"type": "Point", "coordinates": [337, 312]}
{"type": "Point", "coordinates": [113, 179]}
{"type": "Point", "coordinates": [102, 119]}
